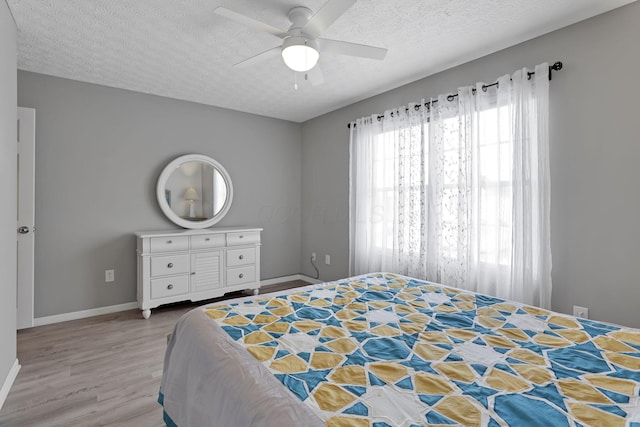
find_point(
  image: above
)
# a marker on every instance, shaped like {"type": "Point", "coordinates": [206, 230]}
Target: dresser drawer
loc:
{"type": "Point", "coordinates": [169, 244]}
{"type": "Point", "coordinates": [242, 256]}
{"type": "Point", "coordinates": [170, 264]}
{"type": "Point", "coordinates": [206, 241]}
{"type": "Point", "coordinates": [248, 238]}
{"type": "Point", "coordinates": [169, 286]}
{"type": "Point", "coordinates": [240, 275]}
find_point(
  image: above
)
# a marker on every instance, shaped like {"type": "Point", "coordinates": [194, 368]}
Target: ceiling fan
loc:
{"type": "Point", "coordinates": [301, 43]}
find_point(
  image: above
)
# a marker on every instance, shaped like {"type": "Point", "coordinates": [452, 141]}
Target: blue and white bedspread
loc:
{"type": "Point", "coordinates": [387, 350]}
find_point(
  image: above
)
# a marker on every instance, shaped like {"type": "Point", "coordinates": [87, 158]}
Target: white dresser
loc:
{"type": "Point", "coordinates": [196, 264]}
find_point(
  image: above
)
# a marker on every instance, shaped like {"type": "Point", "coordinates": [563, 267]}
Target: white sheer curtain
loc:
{"type": "Point", "coordinates": [458, 193]}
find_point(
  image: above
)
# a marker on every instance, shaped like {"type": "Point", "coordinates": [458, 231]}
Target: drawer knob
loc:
{"type": "Point", "coordinates": [170, 265]}
{"type": "Point", "coordinates": [170, 286]}
{"type": "Point", "coordinates": [241, 257]}
{"type": "Point", "coordinates": [169, 242]}
{"type": "Point", "coordinates": [241, 275]}
{"type": "Point", "coordinates": [241, 236]}
{"type": "Point", "coordinates": [193, 273]}
{"type": "Point", "coordinates": [207, 239]}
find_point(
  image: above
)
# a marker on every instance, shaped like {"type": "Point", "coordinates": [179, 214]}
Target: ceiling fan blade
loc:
{"type": "Point", "coordinates": [352, 49]}
{"type": "Point", "coordinates": [267, 54]}
{"type": "Point", "coordinates": [249, 22]}
{"type": "Point", "coordinates": [314, 76]}
{"type": "Point", "coordinates": [327, 15]}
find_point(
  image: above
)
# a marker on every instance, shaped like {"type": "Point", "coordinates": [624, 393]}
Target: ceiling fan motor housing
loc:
{"type": "Point", "coordinates": [299, 16]}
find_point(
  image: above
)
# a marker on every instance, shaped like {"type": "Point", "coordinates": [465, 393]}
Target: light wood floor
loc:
{"type": "Point", "coordinates": [99, 371]}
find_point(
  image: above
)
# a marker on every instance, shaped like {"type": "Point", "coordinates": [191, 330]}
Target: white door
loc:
{"type": "Point", "coordinates": [26, 214]}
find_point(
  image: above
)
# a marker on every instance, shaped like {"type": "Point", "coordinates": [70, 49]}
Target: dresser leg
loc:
{"type": "Point", "coordinates": [146, 313]}
{"type": "Point", "coordinates": [256, 291]}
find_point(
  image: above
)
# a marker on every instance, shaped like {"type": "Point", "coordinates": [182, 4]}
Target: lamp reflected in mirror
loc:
{"type": "Point", "coordinates": [191, 195]}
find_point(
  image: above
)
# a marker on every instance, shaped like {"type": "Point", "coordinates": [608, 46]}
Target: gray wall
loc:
{"type": "Point", "coordinates": [595, 153]}
{"type": "Point", "coordinates": [99, 152]}
{"type": "Point", "coordinates": [8, 153]}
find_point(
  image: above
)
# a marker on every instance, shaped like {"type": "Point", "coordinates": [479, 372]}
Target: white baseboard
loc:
{"type": "Point", "coordinates": [47, 320]}
{"type": "Point", "coordinates": [8, 382]}
{"type": "Point", "coordinates": [75, 315]}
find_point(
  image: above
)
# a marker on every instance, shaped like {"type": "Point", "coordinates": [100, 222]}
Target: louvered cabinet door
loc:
{"type": "Point", "coordinates": [206, 270]}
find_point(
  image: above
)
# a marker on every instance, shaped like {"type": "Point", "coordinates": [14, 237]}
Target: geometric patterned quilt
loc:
{"type": "Point", "coordinates": [385, 350]}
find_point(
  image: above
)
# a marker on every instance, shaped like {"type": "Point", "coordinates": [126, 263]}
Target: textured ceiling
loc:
{"type": "Point", "coordinates": [181, 49]}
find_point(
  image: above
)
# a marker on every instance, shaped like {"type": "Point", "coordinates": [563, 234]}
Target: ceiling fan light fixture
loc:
{"type": "Point", "coordinates": [300, 54]}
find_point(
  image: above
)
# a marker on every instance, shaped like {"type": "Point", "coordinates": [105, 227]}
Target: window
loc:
{"type": "Point", "coordinates": [457, 194]}
{"type": "Point", "coordinates": [494, 169]}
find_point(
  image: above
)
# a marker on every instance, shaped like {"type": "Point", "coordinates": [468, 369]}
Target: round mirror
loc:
{"type": "Point", "coordinates": [194, 191]}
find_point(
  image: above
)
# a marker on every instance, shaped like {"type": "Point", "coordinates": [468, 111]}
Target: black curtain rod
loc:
{"type": "Point", "coordinates": [557, 66]}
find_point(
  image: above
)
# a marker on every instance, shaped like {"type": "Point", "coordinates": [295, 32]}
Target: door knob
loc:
{"type": "Point", "coordinates": [23, 230]}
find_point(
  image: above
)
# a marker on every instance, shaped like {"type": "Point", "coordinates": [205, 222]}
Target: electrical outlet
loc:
{"type": "Point", "coordinates": [109, 276]}
{"type": "Point", "coordinates": [313, 256]}
{"type": "Point", "coordinates": [582, 312]}
{"type": "Point", "coordinates": [327, 259]}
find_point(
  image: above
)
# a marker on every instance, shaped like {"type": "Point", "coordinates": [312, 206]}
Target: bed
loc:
{"type": "Point", "coordinates": [388, 350]}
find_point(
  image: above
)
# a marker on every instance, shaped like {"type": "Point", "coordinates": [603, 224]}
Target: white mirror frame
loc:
{"type": "Point", "coordinates": [162, 200]}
